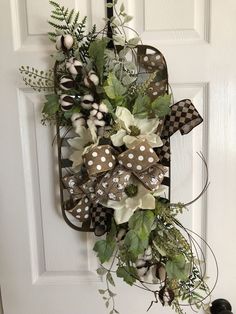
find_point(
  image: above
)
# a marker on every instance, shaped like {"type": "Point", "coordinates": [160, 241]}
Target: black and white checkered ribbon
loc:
{"type": "Point", "coordinates": [183, 117]}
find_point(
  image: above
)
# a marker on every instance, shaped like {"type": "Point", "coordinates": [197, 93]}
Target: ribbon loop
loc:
{"type": "Point", "coordinates": [82, 200]}
{"type": "Point", "coordinates": [100, 159]}
{"type": "Point", "coordinates": [139, 157]}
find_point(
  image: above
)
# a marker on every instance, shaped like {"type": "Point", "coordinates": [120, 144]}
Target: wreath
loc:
{"type": "Point", "coordinates": [110, 100]}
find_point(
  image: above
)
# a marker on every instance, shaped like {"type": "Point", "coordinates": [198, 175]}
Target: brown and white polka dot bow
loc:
{"type": "Point", "coordinates": [140, 161]}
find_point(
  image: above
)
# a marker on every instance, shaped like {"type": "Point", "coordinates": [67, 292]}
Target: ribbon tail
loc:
{"type": "Point", "coordinates": [183, 117]}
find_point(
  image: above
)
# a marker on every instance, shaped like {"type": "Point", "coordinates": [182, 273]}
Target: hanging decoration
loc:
{"type": "Point", "coordinates": [109, 97]}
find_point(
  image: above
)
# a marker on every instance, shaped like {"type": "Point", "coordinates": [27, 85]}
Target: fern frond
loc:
{"type": "Point", "coordinates": [81, 29]}
{"type": "Point", "coordinates": [88, 39]}
{"type": "Point", "coordinates": [75, 21]}
{"type": "Point", "coordinates": [66, 20]}
{"type": "Point", "coordinates": [70, 17]}
{"type": "Point", "coordinates": [58, 18]}
{"type": "Point", "coordinates": [58, 26]}
{"type": "Point", "coordinates": [54, 4]}
{"type": "Point", "coordinates": [52, 34]}
{"type": "Point", "coordinates": [65, 13]}
{"type": "Point", "coordinates": [56, 12]}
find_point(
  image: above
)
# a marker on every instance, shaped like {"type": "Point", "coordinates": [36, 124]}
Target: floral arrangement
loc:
{"type": "Point", "coordinates": [111, 95]}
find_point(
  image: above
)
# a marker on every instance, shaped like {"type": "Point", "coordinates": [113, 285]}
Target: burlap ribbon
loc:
{"type": "Point", "coordinates": [83, 196]}
{"type": "Point", "coordinates": [140, 161]}
{"type": "Point", "coordinates": [109, 174]}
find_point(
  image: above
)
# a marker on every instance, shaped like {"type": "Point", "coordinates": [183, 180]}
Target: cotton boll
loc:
{"type": "Point", "coordinates": [74, 66]}
{"type": "Point", "coordinates": [95, 106]}
{"type": "Point", "coordinates": [142, 267]}
{"type": "Point", "coordinates": [94, 78]}
{"type": "Point", "coordinates": [66, 83]}
{"type": "Point", "coordinates": [99, 122]}
{"type": "Point", "coordinates": [103, 108]}
{"type": "Point", "coordinates": [68, 41]}
{"type": "Point", "coordinates": [66, 102]}
{"type": "Point", "coordinates": [99, 115]}
{"type": "Point", "coordinates": [87, 102]}
{"type": "Point", "coordinates": [91, 79]}
{"type": "Point", "coordinates": [93, 113]}
{"type": "Point", "coordinates": [64, 42]}
{"type": "Point", "coordinates": [77, 120]}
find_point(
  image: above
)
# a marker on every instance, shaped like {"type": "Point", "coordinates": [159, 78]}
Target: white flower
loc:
{"type": "Point", "coordinates": [87, 140]}
{"type": "Point", "coordinates": [125, 208]}
{"type": "Point", "coordinates": [133, 128]}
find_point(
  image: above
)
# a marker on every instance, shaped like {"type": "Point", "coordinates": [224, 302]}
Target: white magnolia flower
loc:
{"type": "Point", "coordinates": [132, 128]}
{"type": "Point", "coordinates": [125, 208]}
{"type": "Point", "coordinates": [87, 140]}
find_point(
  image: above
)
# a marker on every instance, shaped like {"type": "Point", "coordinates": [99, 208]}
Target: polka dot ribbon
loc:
{"type": "Point", "coordinates": [83, 196]}
{"type": "Point", "coordinates": [140, 161]}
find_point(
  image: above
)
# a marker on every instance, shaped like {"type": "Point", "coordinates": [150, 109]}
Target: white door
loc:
{"type": "Point", "coordinates": [45, 266]}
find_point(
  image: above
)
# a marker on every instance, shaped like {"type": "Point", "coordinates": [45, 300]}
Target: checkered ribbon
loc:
{"type": "Point", "coordinates": [101, 219]}
{"type": "Point", "coordinates": [183, 117]}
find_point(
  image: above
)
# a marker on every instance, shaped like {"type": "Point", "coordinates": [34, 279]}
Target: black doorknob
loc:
{"type": "Point", "coordinates": [221, 306]}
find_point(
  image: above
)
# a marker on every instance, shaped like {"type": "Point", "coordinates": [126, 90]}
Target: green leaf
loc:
{"type": "Point", "coordinates": [177, 268]}
{"type": "Point", "coordinates": [96, 53]}
{"type": "Point", "coordinates": [130, 66]}
{"type": "Point", "coordinates": [161, 105]}
{"type": "Point", "coordinates": [101, 271]}
{"type": "Point", "coordinates": [109, 107]}
{"type": "Point", "coordinates": [114, 88]}
{"type": "Point", "coordinates": [116, 22]}
{"type": "Point", "coordinates": [141, 104]}
{"type": "Point", "coordinates": [111, 294]}
{"type": "Point", "coordinates": [68, 114]}
{"type": "Point", "coordinates": [51, 106]}
{"type": "Point", "coordinates": [142, 222]}
{"type": "Point", "coordinates": [122, 7]}
{"type": "Point", "coordinates": [135, 243]}
{"type": "Point", "coordinates": [119, 40]}
{"type": "Point", "coordinates": [104, 249]}
{"type": "Point", "coordinates": [127, 273]}
{"type": "Point", "coordinates": [110, 279]}
{"type": "Point", "coordinates": [110, 5]}
{"type": "Point", "coordinates": [128, 18]}
{"type": "Point", "coordinates": [102, 291]}
{"type": "Point", "coordinates": [127, 80]}
{"type": "Point", "coordinates": [133, 42]}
